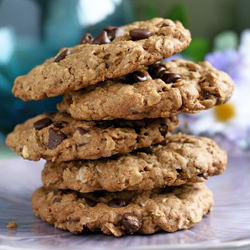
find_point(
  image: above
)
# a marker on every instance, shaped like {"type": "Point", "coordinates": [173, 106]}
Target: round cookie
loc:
{"type": "Point", "coordinates": [184, 159]}
{"type": "Point", "coordinates": [155, 91]}
{"type": "Point", "coordinates": [126, 212]}
{"type": "Point", "coordinates": [58, 137]}
{"type": "Point", "coordinates": [116, 52]}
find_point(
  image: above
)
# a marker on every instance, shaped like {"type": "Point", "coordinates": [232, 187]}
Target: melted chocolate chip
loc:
{"type": "Point", "coordinates": [156, 70]}
{"type": "Point", "coordinates": [58, 124]}
{"type": "Point", "coordinates": [113, 31]}
{"type": "Point", "coordinates": [90, 202]}
{"type": "Point", "coordinates": [117, 203]}
{"type": "Point", "coordinates": [86, 38]}
{"type": "Point", "coordinates": [102, 38]}
{"type": "Point", "coordinates": [131, 222]}
{"type": "Point", "coordinates": [40, 124]}
{"type": "Point", "coordinates": [170, 77]}
{"type": "Point", "coordinates": [55, 138]}
{"type": "Point", "coordinates": [136, 76]}
{"type": "Point", "coordinates": [62, 55]}
{"type": "Point", "coordinates": [163, 129]}
{"type": "Point", "coordinates": [82, 131]}
{"type": "Point", "coordinates": [138, 34]}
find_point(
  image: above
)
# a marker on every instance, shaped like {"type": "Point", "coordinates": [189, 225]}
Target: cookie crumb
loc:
{"type": "Point", "coordinates": [12, 224]}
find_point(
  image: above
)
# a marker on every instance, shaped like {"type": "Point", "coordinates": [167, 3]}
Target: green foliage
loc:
{"type": "Point", "coordinates": [197, 49]}
{"type": "Point", "coordinates": [150, 10]}
{"type": "Point", "coordinates": [179, 12]}
{"type": "Point", "coordinates": [226, 40]}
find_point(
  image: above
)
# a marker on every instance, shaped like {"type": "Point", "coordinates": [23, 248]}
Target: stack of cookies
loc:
{"type": "Point", "coordinates": [113, 163]}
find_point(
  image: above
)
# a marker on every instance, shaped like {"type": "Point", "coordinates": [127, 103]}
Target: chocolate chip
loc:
{"type": "Point", "coordinates": [204, 175]}
{"type": "Point", "coordinates": [102, 38]}
{"type": "Point", "coordinates": [55, 138]}
{"type": "Point", "coordinates": [90, 202]}
{"type": "Point", "coordinates": [45, 122]}
{"type": "Point", "coordinates": [117, 203]}
{"type": "Point", "coordinates": [156, 70]}
{"type": "Point", "coordinates": [163, 129]}
{"type": "Point", "coordinates": [148, 150]}
{"type": "Point", "coordinates": [138, 34]}
{"type": "Point", "coordinates": [57, 199]}
{"type": "Point", "coordinates": [136, 76]}
{"type": "Point", "coordinates": [82, 131]}
{"type": "Point", "coordinates": [131, 222]}
{"type": "Point", "coordinates": [170, 77]}
{"type": "Point", "coordinates": [58, 124]}
{"type": "Point", "coordinates": [86, 38]}
{"type": "Point", "coordinates": [164, 25]}
{"type": "Point", "coordinates": [62, 55]}
{"type": "Point", "coordinates": [113, 31]}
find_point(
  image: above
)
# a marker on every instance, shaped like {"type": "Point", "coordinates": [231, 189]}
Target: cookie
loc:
{"type": "Point", "coordinates": [57, 137]}
{"type": "Point", "coordinates": [184, 159]}
{"type": "Point", "coordinates": [126, 212]}
{"type": "Point", "coordinates": [155, 91]}
{"type": "Point", "coordinates": [115, 52]}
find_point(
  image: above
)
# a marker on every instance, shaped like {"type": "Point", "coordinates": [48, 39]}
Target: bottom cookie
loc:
{"type": "Point", "coordinates": [125, 212]}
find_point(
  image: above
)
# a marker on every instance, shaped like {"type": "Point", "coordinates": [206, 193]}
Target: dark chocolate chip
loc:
{"type": "Point", "coordinates": [62, 55]}
{"type": "Point", "coordinates": [138, 34]}
{"type": "Point", "coordinates": [58, 124]}
{"type": "Point", "coordinates": [156, 70]}
{"type": "Point", "coordinates": [164, 25]}
{"type": "Point", "coordinates": [131, 222]}
{"type": "Point", "coordinates": [163, 129]}
{"type": "Point", "coordinates": [57, 199]}
{"type": "Point", "coordinates": [86, 38]}
{"type": "Point", "coordinates": [113, 31]}
{"type": "Point", "coordinates": [204, 175]}
{"type": "Point", "coordinates": [82, 131]}
{"type": "Point", "coordinates": [90, 202]}
{"type": "Point", "coordinates": [45, 122]}
{"type": "Point", "coordinates": [163, 143]}
{"type": "Point", "coordinates": [102, 38]}
{"type": "Point", "coordinates": [170, 77]}
{"type": "Point", "coordinates": [117, 203]}
{"type": "Point", "coordinates": [55, 138]}
{"type": "Point", "coordinates": [148, 150]}
{"type": "Point", "coordinates": [136, 76]}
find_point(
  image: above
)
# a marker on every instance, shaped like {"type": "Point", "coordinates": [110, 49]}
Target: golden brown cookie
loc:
{"type": "Point", "coordinates": [155, 91]}
{"type": "Point", "coordinates": [126, 212]}
{"type": "Point", "coordinates": [58, 137]}
{"type": "Point", "coordinates": [184, 159]}
{"type": "Point", "coordinates": [114, 53]}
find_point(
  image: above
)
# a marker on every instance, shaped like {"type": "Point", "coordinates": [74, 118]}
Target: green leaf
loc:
{"type": "Point", "coordinates": [226, 40]}
{"type": "Point", "coordinates": [150, 10]}
{"type": "Point", "coordinates": [179, 12]}
{"type": "Point", "coordinates": [197, 49]}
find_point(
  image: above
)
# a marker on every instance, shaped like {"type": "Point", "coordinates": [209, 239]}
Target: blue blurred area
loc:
{"type": "Point", "coordinates": [31, 31]}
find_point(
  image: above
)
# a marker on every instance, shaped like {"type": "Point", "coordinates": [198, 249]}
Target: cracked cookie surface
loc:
{"type": "Point", "coordinates": [86, 64]}
{"type": "Point", "coordinates": [126, 212]}
{"type": "Point", "coordinates": [58, 137]}
{"type": "Point", "coordinates": [184, 159]}
{"type": "Point", "coordinates": [155, 91]}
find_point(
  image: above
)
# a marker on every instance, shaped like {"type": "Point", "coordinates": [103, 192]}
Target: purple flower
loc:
{"type": "Point", "coordinates": [229, 61]}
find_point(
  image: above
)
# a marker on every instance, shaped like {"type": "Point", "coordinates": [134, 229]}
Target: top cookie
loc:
{"type": "Point", "coordinates": [114, 53]}
{"type": "Point", "coordinates": [155, 91]}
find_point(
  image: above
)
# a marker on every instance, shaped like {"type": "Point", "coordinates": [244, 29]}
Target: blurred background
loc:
{"type": "Point", "coordinates": [33, 30]}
